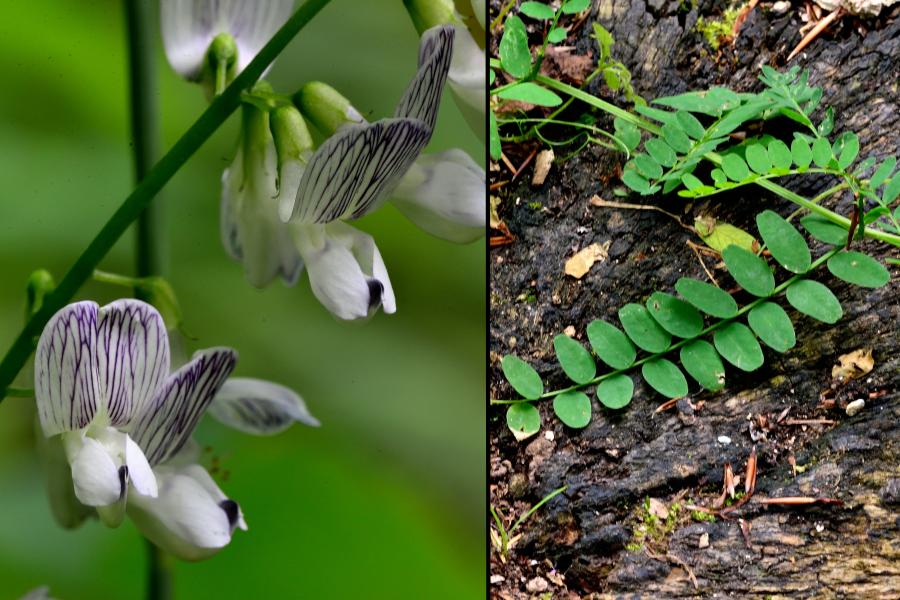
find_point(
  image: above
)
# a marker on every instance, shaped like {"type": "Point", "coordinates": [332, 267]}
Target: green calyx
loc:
{"type": "Point", "coordinates": [40, 284]}
{"type": "Point", "coordinates": [292, 139]}
{"type": "Point", "coordinates": [325, 107]}
{"type": "Point", "coordinates": [426, 14]}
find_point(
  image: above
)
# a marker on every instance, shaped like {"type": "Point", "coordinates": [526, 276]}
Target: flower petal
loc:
{"type": "Point", "coordinates": [354, 170]}
{"type": "Point", "coordinates": [191, 518]}
{"type": "Point", "coordinates": [478, 8]}
{"type": "Point", "coordinates": [259, 407]}
{"type": "Point", "coordinates": [132, 357]}
{"type": "Point", "coordinates": [139, 471]}
{"type": "Point", "coordinates": [340, 261]}
{"type": "Point", "coordinates": [67, 390]}
{"type": "Point", "coordinates": [68, 511]}
{"type": "Point", "coordinates": [467, 80]}
{"type": "Point", "coordinates": [444, 194]}
{"type": "Point", "coordinates": [98, 480]}
{"type": "Point", "coordinates": [251, 230]}
{"type": "Point", "coordinates": [168, 420]}
{"type": "Point", "coordinates": [423, 95]}
{"type": "Point", "coordinates": [189, 26]}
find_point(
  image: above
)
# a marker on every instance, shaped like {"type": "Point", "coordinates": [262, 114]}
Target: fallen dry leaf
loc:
{"type": "Point", "coordinates": [560, 63]}
{"type": "Point", "coordinates": [542, 167]}
{"type": "Point", "coordinates": [496, 221]}
{"type": "Point", "coordinates": [853, 365]}
{"type": "Point", "coordinates": [584, 259]}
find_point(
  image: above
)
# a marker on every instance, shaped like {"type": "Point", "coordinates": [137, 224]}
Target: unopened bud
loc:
{"type": "Point", "coordinates": [325, 107]}
{"type": "Point", "coordinates": [40, 284]}
{"type": "Point", "coordinates": [426, 14]}
{"type": "Point", "coordinates": [292, 139]}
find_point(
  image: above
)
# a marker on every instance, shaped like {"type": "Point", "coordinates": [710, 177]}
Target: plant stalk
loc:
{"type": "Point", "coordinates": [213, 117]}
{"type": "Point", "coordinates": [150, 227]}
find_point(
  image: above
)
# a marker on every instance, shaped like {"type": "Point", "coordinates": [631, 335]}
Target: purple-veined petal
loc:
{"type": "Point", "coordinates": [423, 95]}
{"type": "Point", "coordinates": [354, 170]}
{"type": "Point", "coordinates": [132, 357]}
{"type": "Point", "coordinates": [259, 407]}
{"type": "Point", "coordinates": [167, 421]}
{"type": "Point", "coordinates": [67, 390]}
{"type": "Point", "coordinates": [191, 518]}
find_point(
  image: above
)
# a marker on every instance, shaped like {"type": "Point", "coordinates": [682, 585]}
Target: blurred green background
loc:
{"type": "Point", "coordinates": [386, 499]}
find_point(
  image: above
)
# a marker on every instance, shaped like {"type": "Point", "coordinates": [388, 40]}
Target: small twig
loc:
{"type": "Point", "coordinates": [799, 501]}
{"type": "Point", "coordinates": [508, 164]}
{"type": "Point", "coordinates": [666, 405]}
{"type": "Point", "coordinates": [678, 561]}
{"type": "Point", "coordinates": [524, 164]}
{"type": "Point", "coordinates": [598, 201]}
{"type": "Point", "coordinates": [745, 531]}
{"type": "Point", "coordinates": [814, 33]}
{"type": "Point", "coordinates": [696, 249]}
{"type": "Point", "coordinates": [496, 186]}
{"type": "Point", "coordinates": [809, 422]}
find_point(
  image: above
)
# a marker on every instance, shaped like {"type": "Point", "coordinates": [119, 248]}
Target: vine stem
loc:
{"type": "Point", "coordinates": [716, 159]}
{"type": "Point", "coordinates": [208, 122]}
{"type": "Point", "coordinates": [780, 288]}
{"type": "Point", "coordinates": [150, 228]}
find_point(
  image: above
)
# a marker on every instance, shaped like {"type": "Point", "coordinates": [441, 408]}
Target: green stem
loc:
{"type": "Point", "coordinates": [213, 117]}
{"type": "Point", "coordinates": [159, 569]}
{"type": "Point", "coordinates": [780, 288]}
{"type": "Point", "coordinates": [150, 242]}
{"type": "Point", "coordinates": [116, 279]}
{"type": "Point", "coordinates": [501, 14]}
{"type": "Point", "coordinates": [16, 392]}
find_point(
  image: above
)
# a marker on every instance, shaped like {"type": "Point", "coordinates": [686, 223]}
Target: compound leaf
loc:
{"type": "Point", "coordinates": [664, 377]}
{"type": "Point", "coordinates": [702, 362]}
{"type": "Point", "coordinates": [769, 321]}
{"type": "Point", "coordinates": [815, 300]}
{"type": "Point", "coordinates": [575, 360]}
{"type": "Point", "coordinates": [784, 242]}
{"type": "Point", "coordinates": [708, 298]}
{"type": "Point", "coordinates": [676, 316]}
{"type": "Point", "coordinates": [643, 328]}
{"type": "Point", "coordinates": [750, 271]}
{"type": "Point", "coordinates": [573, 409]}
{"type": "Point", "coordinates": [616, 391]}
{"type": "Point", "coordinates": [859, 269]}
{"type": "Point", "coordinates": [737, 344]}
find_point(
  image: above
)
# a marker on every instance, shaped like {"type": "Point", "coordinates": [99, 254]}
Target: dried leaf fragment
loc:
{"type": "Point", "coordinates": [719, 235]}
{"type": "Point", "coordinates": [542, 167]}
{"type": "Point", "coordinates": [853, 365]}
{"type": "Point", "coordinates": [657, 508]}
{"type": "Point", "coordinates": [584, 259]}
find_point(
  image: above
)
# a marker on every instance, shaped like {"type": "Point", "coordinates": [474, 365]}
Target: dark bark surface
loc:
{"type": "Point", "coordinates": [621, 458]}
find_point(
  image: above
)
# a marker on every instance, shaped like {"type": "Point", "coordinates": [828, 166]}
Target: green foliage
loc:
{"type": "Point", "coordinates": [615, 74]}
{"type": "Point", "coordinates": [714, 31]}
{"type": "Point", "coordinates": [651, 328]}
{"type": "Point", "coordinates": [530, 92]}
{"type": "Point", "coordinates": [515, 56]}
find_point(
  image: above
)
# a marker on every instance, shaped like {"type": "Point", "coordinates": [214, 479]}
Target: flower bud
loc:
{"type": "Point", "coordinates": [426, 14]}
{"type": "Point", "coordinates": [325, 107]}
{"type": "Point", "coordinates": [40, 284]}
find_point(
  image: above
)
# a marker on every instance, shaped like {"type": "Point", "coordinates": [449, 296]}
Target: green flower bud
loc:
{"type": "Point", "coordinates": [325, 107]}
{"type": "Point", "coordinates": [159, 292]}
{"type": "Point", "coordinates": [292, 139]}
{"type": "Point", "coordinates": [40, 284]}
{"type": "Point", "coordinates": [426, 14]}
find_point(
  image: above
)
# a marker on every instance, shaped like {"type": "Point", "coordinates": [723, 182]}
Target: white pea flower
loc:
{"type": "Point", "coordinates": [443, 193]}
{"type": "Point", "coordinates": [107, 401]}
{"type": "Point", "coordinates": [212, 41]}
{"type": "Point", "coordinates": [467, 73]}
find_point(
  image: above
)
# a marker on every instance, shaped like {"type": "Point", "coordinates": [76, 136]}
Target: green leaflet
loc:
{"type": "Point", "coordinates": [708, 298]}
{"type": "Point", "coordinates": [676, 316]}
{"type": "Point", "coordinates": [611, 345]}
{"type": "Point", "coordinates": [735, 167]}
{"type": "Point", "coordinates": [537, 10]}
{"type": "Point", "coordinates": [801, 153]}
{"type": "Point", "coordinates": [574, 359]}
{"type": "Point", "coordinates": [514, 53]}
{"type": "Point", "coordinates": [769, 321]}
{"type": "Point", "coordinates": [573, 409]}
{"type": "Point", "coordinates": [532, 93]}
{"type": "Point", "coordinates": [737, 344]}
{"type": "Point", "coordinates": [643, 328]}
{"type": "Point", "coordinates": [615, 392]}
{"type": "Point", "coordinates": [750, 271]}
{"type": "Point", "coordinates": [815, 300]}
{"type": "Point", "coordinates": [758, 158]}
{"type": "Point", "coordinates": [690, 125]}
{"type": "Point", "coordinates": [523, 419]}
{"type": "Point", "coordinates": [664, 377]}
{"type": "Point", "coordinates": [496, 148]}
{"type": "Point", "coordinates": [780, 155]}
{"type": "Point", "coordinates": [824, 230]}
{"type": "Point", "coordinates": [859, 269]}
{"type": "Point", "coordinates": [821, 152]}
{"type": "Point", "coordinates": [883, 171]}
{"type": "Point", "coordinates": [627, 132]}
{"type": "Point", "coordinates": [522, 377]}
{"type": "Point", "coordinates": [676, 138]}
{"type": "Point", "coordinates": [702, 362]}
{"type": "Point", "coordinates": [784, 242]}
{"type": "Point", "coordinates": [660, 151]}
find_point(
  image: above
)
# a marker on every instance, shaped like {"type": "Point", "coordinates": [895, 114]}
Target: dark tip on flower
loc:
{"type": "Point", "coordinates": [376, 290]}
{"type": "Point", "coordinates": [232, 511]}
{"type": "Point", "coordinates": [123, 481]}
